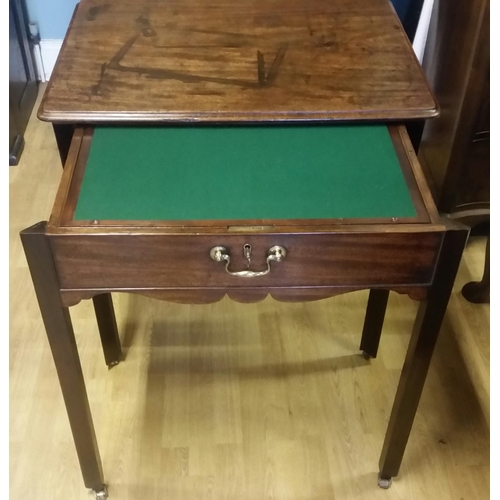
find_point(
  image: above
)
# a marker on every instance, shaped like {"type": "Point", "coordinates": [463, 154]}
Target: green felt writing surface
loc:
{"type": "Point", "coordinates": [243, 172]}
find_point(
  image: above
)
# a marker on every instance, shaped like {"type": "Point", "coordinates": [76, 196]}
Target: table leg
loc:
{"type": "Point", "coordinates": [418, 357]}
{"type": "Point", "coordinates": [374, 320]}
{"type": "Point", "coordinates": [103, 304]}
{"type": "Point", "coordinates": [62, 342]}
{"type": "Point", "coordinates": [106, 321]}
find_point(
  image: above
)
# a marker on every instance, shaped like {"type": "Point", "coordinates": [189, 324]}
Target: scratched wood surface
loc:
{"type": "Point", "coordinates": [229, 60]}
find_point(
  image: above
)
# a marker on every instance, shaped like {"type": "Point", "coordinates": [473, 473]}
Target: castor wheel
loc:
{"type": "Point", "coordinates": [384, 483]}
{"type": "Point", "coordinates": [101, 494]}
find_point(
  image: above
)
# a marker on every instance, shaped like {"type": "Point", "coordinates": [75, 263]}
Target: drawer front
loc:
{"type": "Point", "coordinates": [177, 261]}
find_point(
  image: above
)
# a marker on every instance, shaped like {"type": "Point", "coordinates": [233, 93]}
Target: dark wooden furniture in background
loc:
{"type": "Point", "coordinates": [455, 148]}
{"type": "Point", "coordinates": [191, 63]}
{"type": "Point", "coordinates": [409, 12]}
{"type": "Point", "coordinates": [23, 87]}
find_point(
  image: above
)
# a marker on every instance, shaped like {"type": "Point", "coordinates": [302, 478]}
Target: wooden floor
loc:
{"type": "Point", "coordinates": [230, 401]}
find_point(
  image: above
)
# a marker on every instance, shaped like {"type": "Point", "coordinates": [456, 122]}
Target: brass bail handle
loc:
{"type": "Point", "coordinates": [221, 254]}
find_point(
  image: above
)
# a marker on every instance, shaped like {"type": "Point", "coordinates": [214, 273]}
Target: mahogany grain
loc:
{"type": "Point", "coordinates": [178, 261]}
{"type": "Point", "coordinates": [245, 60]}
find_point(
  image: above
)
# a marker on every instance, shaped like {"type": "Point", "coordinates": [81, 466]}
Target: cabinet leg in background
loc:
{"type": "Point", "coordinates": [478, 292]}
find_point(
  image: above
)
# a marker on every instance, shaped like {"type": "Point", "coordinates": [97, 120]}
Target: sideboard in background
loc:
{"type": "Point", "coordinates": [455, 148]}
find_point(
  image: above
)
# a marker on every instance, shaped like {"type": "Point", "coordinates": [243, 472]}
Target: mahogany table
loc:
{"type": "Point", "coordinates": [239, 148]}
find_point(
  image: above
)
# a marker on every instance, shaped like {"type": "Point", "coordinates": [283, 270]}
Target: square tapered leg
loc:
{"type": "Point", "coordinates": [426, 328]}
{"type": "Point", "coordinates": [62, 342]}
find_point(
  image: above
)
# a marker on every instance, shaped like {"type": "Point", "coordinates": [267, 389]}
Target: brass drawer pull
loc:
{"type": "Point", "coordinates": [220, 254]}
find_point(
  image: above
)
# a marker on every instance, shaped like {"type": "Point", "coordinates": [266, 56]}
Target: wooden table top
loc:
{"type": "Point", "coordinates": [236, 60]}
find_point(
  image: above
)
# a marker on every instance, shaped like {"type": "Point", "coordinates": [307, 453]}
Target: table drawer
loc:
{"type": "Point", "coordinates": [241, 176]}
{"type": "Point", "coordinates": [170, 261]}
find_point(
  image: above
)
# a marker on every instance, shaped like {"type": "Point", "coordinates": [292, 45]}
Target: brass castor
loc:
{"type": "Point", "coordinates": [101, 494]}
{"type": "Point", "coordinates": [384, 483]}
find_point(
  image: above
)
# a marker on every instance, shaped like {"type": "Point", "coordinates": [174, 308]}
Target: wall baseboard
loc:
{"type": "Point", "coordinates": [49, 50]}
